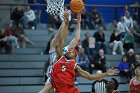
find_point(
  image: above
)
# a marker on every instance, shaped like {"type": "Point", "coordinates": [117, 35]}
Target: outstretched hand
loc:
{"type": "Point", "coordinates": [112, 72]}
{"type": "Point", "coordinates": [67, 13]}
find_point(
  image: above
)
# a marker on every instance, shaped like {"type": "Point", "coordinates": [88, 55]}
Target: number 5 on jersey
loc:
{"type": "Point", "coordinates": [63, 68]}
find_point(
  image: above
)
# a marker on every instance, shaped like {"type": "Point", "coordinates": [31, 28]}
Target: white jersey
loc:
{"type": "Point", "coordinates": [53, 55]}
{"type": "Point", "coordinates": [65, 49]}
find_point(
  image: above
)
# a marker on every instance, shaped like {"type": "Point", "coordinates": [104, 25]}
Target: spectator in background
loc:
{"type": "Point", "coordinates": [20, 34]}
{"type": "Point", "coordinates": [128, 20]}
{"type": "Point", "coordinates": [112, 26]}
{"type": "Point", "coordinates": [128, 41]}
{"type": "Point", "coordinates": [136, 31]}
{"type": "Point", "coordinates": [90, 51]}
{"type": "Point", "coordinates": [131, 59]}
{"type": "Point", "coordinates": [84, 19]}
{"type": "Point", "coordinates": [115, 42]}
{"type": "Point", "coordinates": [112, 86]}
{"type": "Point", "coordinates": [37, 9]}
{"type": "Point", "coordinates": [100, 40]}
{"type": "Point", "coordinates": [124, 68]}
{"type": "Point", "coordinates": [3, 43]}
{"type": "Point", "coordinates": [48, 45]}
{"type": "Point", "coordinates": [122, 27]}
{"type": "Point", "coordinates": [81, 59]}
{"type": "Point", "coordinates": [9, 36]}
{"type": "Point", "coordinates": [30, 17]}
{"type": "Point", "coordinates": [92, 64]}
{"type": "Point", "coordinates": [95, 19]}
{"type": "Point", "coordinates": [100, 61]}
{"type": "Point", "coordinates": [99, 86]}
{"type": "Point", "coordinates": [136, 12]}
{"type": "Point", "coordinates": [137, 56]}
{"type": "Point", "coordinates": [114, 23]}
{"type": "Point", "coordinates": [17, 16]}
{"type": "Point", "coordinates": [51, 22]}
{"type": "Point", "coordinates": [126, 7]}
{"type": "Point", "coordinates": [85, 42]}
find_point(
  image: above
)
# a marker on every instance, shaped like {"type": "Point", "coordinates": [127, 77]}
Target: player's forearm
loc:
{"type": "Point", "coordinates": [95, 76]}
{"type": "Point", "coordinates": [78, 31]}
{"type": "Point", "coordinates": [63, 30]}
{"type": "Point", "coordinates": [98, 76]}
{"type": "Point", "coordinates": [60, 30]}
{"type": "Point", "coordinates": [89, 76]}
{"type": "Point", "coordinates": [76, 39]}
{"type": "Point", "coordinates": [59, 48]}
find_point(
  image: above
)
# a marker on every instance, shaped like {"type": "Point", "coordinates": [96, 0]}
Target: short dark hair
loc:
{"type": "Point", "coordinates": [124, 56]}
{"type": "Point", "coordinates": [137, 65]}
{"type": "Point", "coordinates": [116, 83]}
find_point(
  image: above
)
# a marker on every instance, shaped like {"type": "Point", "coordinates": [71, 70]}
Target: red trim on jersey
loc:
{"type": "Point", "coordinates": [134, 88]}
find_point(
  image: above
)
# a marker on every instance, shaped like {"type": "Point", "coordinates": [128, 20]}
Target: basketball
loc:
{"type": "Point", "coordinates": [76, 5]}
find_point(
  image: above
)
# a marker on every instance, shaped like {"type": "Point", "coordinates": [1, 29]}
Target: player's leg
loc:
{"type": "Point", "coordinates": [47, 88]}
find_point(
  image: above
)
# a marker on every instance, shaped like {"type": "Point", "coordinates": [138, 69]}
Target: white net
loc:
{"type": "Point", "coordinates": [55, 7]}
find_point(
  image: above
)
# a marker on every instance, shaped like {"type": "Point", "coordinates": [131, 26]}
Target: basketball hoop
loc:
{"type": "Point", "coordinates": [55, 7]}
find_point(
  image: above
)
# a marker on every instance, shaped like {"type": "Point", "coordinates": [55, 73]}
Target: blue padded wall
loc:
{"type": "Point", "coordinates": [107, 13]}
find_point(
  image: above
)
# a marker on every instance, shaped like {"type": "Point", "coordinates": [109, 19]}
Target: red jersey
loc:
{"type": "Point", "coordinates": [63, 75]}
{"type": "Point", "coordinates": [134, 88]}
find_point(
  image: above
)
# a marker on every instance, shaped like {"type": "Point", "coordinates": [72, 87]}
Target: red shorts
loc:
{"type": "Point", "coordinates": [68, 90]}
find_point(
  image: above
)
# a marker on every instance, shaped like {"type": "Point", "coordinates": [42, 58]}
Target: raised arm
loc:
{"type": "Point", "coordinates": [85, 74]}
{"type": "Point", "coordinates": [76, 39]}
{"type": "Point", "coordinates": [59, 49]}
{"type": "Point", "coordinates": [62, 32]}
{"type": "Point", "coordinates": [66, 23]}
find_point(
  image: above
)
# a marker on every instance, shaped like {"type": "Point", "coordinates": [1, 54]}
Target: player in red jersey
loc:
{"type": "Point", "coordinates": [135, 82]}
{"type": "Point", "coordinates": [55, 43]}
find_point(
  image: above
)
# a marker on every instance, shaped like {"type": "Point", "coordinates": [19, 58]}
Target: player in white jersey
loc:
{"type": "Point", "coordinates": [56, 42]}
